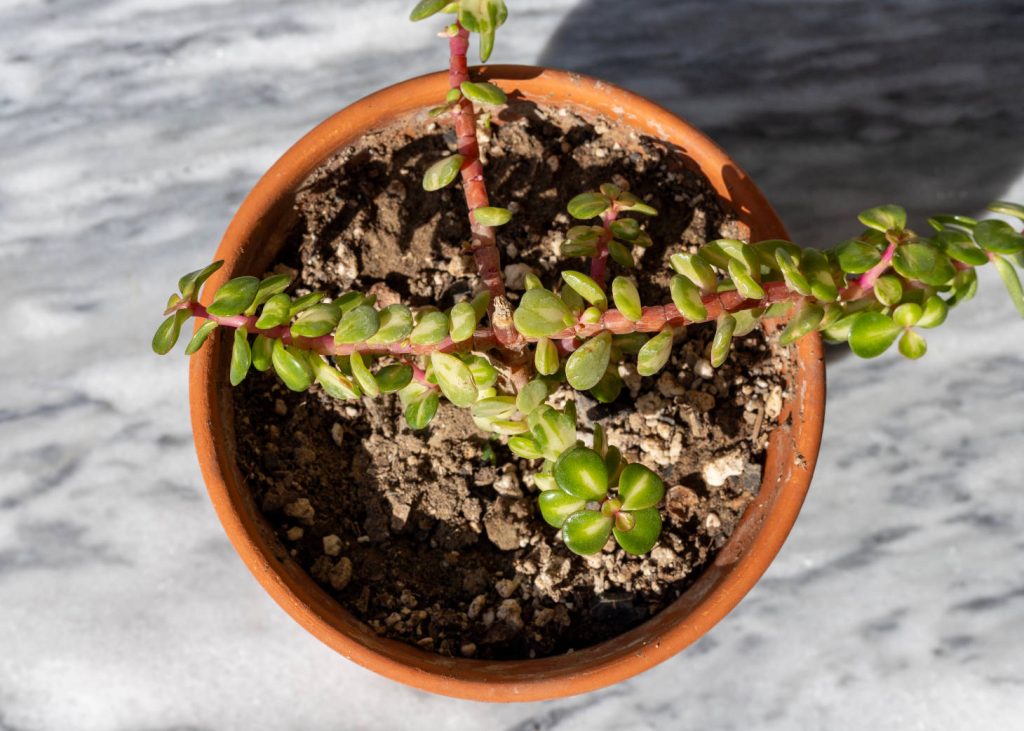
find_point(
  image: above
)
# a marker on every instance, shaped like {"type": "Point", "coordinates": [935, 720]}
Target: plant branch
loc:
{"type": "Point", "coordinates": [599, 264]}
{"type": "Point", "coordinates": [484, 241]}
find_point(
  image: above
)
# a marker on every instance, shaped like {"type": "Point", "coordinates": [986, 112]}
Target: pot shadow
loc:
{"type": "Point", "coordinates": [831, 107]}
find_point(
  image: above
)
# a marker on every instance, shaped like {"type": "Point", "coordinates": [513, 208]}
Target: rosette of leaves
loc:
{"type": "Point", "coordinates": [593, 495]}
{"type": "Point", "coordinates": [617, 235]}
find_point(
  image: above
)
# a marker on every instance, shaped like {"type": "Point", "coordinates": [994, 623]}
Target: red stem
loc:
{"type": "Point", "coordinates": [599, 263]}
{"type": "Point", "coordinates": [484, 241]}
{"type": "Point", "coordinates": [868, 279]}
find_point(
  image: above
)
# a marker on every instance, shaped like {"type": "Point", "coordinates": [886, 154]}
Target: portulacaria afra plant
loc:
{"type": "Point", "coordinates": [880, 288]}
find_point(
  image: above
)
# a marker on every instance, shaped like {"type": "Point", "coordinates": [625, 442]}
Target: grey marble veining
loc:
{"type": "Point", "coordinates": [129, 132]}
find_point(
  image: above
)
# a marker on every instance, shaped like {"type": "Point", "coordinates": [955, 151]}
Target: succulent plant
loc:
{"type": "Point", "coordinates": [505, 365]}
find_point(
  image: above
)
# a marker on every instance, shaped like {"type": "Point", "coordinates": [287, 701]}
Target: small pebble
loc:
{"type": "Point", "coordinates": [301, 509]}
{"type": "Point", "coordinates": [341, 574]}
{"type": "Point", "coordinates": [332, 545]}
{"type": "Point", "coordinates": [337, 434]}
{"type": "Point", "coordinates": [468, 649]}
{"type": "Point", "coordinates": [295, 533]}
{"type": "Point", "coordinates": [280, 407]}
{"type": "Point", "coordinates": [476, 606]}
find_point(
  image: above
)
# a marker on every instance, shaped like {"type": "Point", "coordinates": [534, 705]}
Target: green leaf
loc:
{"type": "Point", "coordinates": [420, 412]}
{"type": "Point", "coordinates": [923, 262]}
{"type": "Point", "coordinates": [334, 383]}
{"type": "Point", "coordinates": [608, 388]}
{"type": "Point", "coordinates": [790, 269]}
{"type": "Point", "coordinates": [620, 254]}
{"type": "Point", "coordinates": [640, 487]}
{"type": "Point", "coordinates": [495, 407]}
{"type": "Point", "coordinates": [526, 448]}
{"type": "Point", "coordinates": [483, 17]}
{"type": "Point", "coordinates": [432, 328]}
{"type": "Point", "coordinates": [484, 374]}
{"type": "Point", "coordinates": [907, 314]}
{"type": "Point", "coordinates": [304, 302]}
{"type": "Point", "coordinates": [531, 281]}
{"type": "Point", "coordinates": [586, 531]}
{"type": "Point", "coordinates": [167, 334]}
{"type": "Point", "coordinates": [276, 312]}
{"type": "Point", "coordinates": [241, 357]}
{"type": "Point", "coordinates": [483, 93]}
{"type": "Point", "coordinates": [272, 285]}
{"type": "Point", "coordinates": [586, 288]}
{"type": "Point", "coordinates": [872, 333]}
{"type": "Point", "coordinates": [888, 290]}
{"type": "Point", "coordinates": [545, 357]}
{"type": "Point", "coordinates": [697, 270]}
{"type": "Point", "coordinates": [630, 343]}
{"type": "Point", "coordinates": [350, 300]}
{"type": "Point", "coordinates": [1011, 281]}
{"type": "Point", "coordinates": [643, 535]}
{"type": "Point", "coordinates": [816, 268]}
{"type": "Point", "coordinates": [200, 337]}
{"type": "Point", "coordinates": [935, 311]}
{"type": "Point", "coordinates": [455, 379]}
{"type": "Point", "coordinates": [884, 218]}
{"type": "Point", "coordinates": [588, 205]}
{"type": "Point", "coordinates": [190, 284]}
{"type": "Point", "coordinates": [571, 298]}
{"type": "Point", "coordinates": [555, 505]}
{"type": "Point", "coordinates": [492, 216]}
{"type": "Point", "coordinates": [725, 327]}
{"type": "Point", "coordinates": [807, 318]}
{"type": "Point", "coordinates": [532, 395]}
{"type": "Point", "coordinates": [363, 376]}
{"type": "Point", "coordinates": [395, 325]}
{"type": "Point", "coordinates": [426, 8]}
{"type": "Point", "coordinates": [629, 202]}
{"type": "Point", "coordinates": [393, 378]}
{"type": "Point", "coordinates": [232, 298]}
{"type": "Point", "coordinates": [442, 173]}
{"type": "Point", "coordinates": [625, 229]}
{"type": "Point", "coordinates": [541, 314]}
{"type": "Point", "coordinates": [1007, 209]}
{"type": "Point", "coordinates": [746, 285]}
{"type": "Point", "coordinates": [965, 286]}
{"type": "Point", "coordinates": [357, 325]}
{"type": "Point", "coordinates": [316, 321]}
{"type": "Point", "coordinates": [912, 345]}
{"type": "Point", "coordinates": [553, 430]}
{"type": "Point", "coordinates": [856, 256]}
{"type": "Point", "coordinates": [687, 299]}
{"type": "Point", "coordinates": [463, 321]}
{"type": "Point", "coordinates": [627, 299]}
{"type": "Point", "coordinates": [292, 366]}
{"type": "Point", "coordinates": [998, 237]}
{"type": "Point", "coordinates": [655, 353]}
{"type": "Point", "coordinates": [958, 245]}
{"type": "Point", "coordinates": [588, 363]}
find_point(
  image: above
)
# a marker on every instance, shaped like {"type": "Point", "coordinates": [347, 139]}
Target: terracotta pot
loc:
{"type": "Point", "coordinates": [251, 243]}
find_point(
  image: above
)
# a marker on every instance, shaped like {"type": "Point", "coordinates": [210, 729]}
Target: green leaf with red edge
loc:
{"type": "Point", "coordinates": [585, 532]}
{"type": "Point", "coordinates": [190, 284]}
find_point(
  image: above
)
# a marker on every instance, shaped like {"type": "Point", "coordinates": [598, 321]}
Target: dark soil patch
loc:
{"type": "Point", "coordinates": [433, 537]}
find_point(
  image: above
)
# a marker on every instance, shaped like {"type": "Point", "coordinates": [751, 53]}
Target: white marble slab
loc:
{"type": "Point", "coordinates": [129, 132]}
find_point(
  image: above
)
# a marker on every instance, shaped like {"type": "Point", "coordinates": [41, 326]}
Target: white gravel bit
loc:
{"type": "Point", "coordinates": [510, 613]}
{"type": "Point", "coordinates": [301, 509]}
{"type": "Point", "coordinates": [476, 606]}
{"type": "Point", "coordinates": [332, 545]}
{"type": "Point", "coordinates": [515, 276]}
{"type": "Point", "coordinates": [720, 469]}
{"type": "Point", "coordinates": [506, 587]}
{"type": "Point", "coordinates": [338, 434]}
{"type": "Point", "coordinates": [703, 369]}
{"type": "Point", "coordinates": [295, 533]}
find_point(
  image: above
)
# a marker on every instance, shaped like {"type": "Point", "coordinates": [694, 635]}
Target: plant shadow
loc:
{"type": "Point", "coordinates": [831, 107]}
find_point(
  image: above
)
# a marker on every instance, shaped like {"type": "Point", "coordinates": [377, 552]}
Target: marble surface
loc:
{"type": "Point", "coordinates": [129, 132]}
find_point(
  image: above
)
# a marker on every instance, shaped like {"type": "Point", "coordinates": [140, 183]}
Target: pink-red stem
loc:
{"type": "Point", "coordinates": [599, 263]}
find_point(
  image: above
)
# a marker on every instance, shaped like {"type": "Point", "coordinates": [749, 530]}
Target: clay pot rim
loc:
{"type": "Point", "coordinates": [526, 680]}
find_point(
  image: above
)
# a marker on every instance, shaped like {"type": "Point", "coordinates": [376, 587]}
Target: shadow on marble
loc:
{"type": "Point", "coordinates": [832, 107]}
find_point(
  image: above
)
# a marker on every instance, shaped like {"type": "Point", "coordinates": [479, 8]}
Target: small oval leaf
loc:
{"type": "Point", "coordinates": [588, 363]}
{"type": "Point", "coordinates": [555, 505]}
{"type": "Point", "coordinates": [655, 353]}
{"type": "Point", "coordinates": [442, 173]}
{"type": "Point", "coordinates": [234, 297]}
{"type": "Point", "coordinates": [541, 314]}
{"type": "Point", "coordinates": [581, 472]}
{"type": "Point", "coordinates": [586, 532]}
{"type": "Point", "coordinates": [641, 538]}
{"type": "Point", "coordinates": [455, 379]}
{"type": "Point", "coordinates": [588, 205]}
{"type": "Point", "coordinates": [292, 366]}
{"type": "Point", "coordinates": [640, 487]}
{"type": "Point", "coordinates": [872, 333]}
{"type": "Point", "coordinates": [627, 299]}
